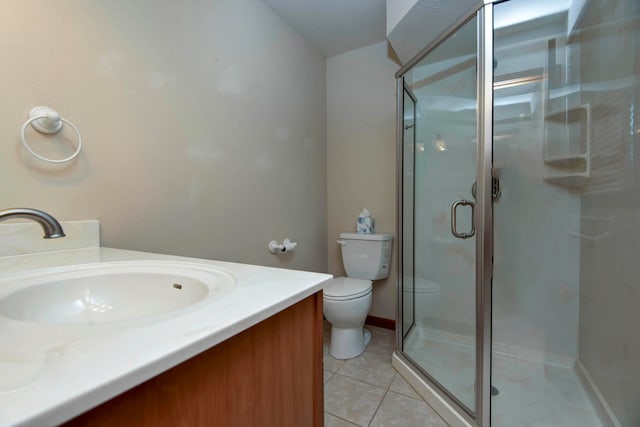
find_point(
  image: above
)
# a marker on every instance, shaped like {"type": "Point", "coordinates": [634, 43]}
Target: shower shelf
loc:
{"type": "Point", "coordinates": [567, 146]}
{"type": "Point", "coordinates": [569, 160]}
{"type": "Point", "coordinates": [568, 180]}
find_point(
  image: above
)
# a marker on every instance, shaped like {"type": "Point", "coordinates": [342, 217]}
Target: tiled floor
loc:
{"type": "Point", "coordinates": [367, 391]}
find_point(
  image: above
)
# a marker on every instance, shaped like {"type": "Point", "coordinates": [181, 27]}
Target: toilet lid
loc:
{"type": "Point", "coordinates": [344, 288]}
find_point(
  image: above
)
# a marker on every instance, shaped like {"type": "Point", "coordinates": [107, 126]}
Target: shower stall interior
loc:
{"type": "Point", "coordinates": [519, 216]}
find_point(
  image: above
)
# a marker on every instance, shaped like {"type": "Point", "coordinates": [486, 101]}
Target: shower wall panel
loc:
{"type": "Point", "coordinates": [536, 251]}
{"type": "Point", "coordinates": [610, 213]}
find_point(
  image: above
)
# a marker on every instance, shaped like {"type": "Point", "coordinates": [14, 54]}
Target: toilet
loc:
{"type": "Point", "coordinates": [347, 300]}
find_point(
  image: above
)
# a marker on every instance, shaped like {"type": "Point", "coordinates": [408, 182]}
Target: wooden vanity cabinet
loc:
{"type": "Point", "coordinates": [269, 376]}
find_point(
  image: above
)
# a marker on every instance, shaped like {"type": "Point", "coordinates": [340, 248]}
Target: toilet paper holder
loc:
{"type": "Point", "coordinates": [286, 246]}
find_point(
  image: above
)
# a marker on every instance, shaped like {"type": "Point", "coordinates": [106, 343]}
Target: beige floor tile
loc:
{"type": "Point", "coordinates": [381, 331]}
{"type": "Point", "coordinates": [382, 341]}
{"type": "Point", "coordinates": [330, 363]}
{"type": "Point", "coordinates": [327, 375]}
{"type": "Point", "coordinates": [403, 411]}
{"type": "Point", "coordinates": [333, 421]}
{"type": "Point", "coordinates": [371, 368]}
{"type": "Point", "coordinates": [400, 385]}
{"type": "Point", "coordinates": [352, 400]}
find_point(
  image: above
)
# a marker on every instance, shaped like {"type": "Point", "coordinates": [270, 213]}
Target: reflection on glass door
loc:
{"type": "Point", "coordinates": [438, 215]}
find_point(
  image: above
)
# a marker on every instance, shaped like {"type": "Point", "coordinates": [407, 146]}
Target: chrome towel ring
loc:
{"type": "Point", "coordinates": [47, 120]}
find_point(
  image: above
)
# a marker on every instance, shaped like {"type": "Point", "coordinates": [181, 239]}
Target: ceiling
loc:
{"type": "Point", "coordinates": [335, 26]}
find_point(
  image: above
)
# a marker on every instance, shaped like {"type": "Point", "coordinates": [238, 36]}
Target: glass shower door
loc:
{"type": "Point", "coordinates": [566, 230]}
{"type": "Point", "coordinates": [439, 264]}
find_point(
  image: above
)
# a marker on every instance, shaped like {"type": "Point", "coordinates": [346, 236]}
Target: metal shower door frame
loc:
{"type": "Point", "coordinates": [407, 91]}
{"type": "Point", "coordinates": [483, 215]}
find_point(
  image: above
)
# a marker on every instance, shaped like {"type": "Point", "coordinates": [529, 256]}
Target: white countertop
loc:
{"type": "Point", "coordinates": [51, 373]}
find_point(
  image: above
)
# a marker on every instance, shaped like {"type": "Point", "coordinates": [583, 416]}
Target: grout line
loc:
{"type": "Point", "coordinates": [370, 385]}
{"type": "Point", "coordinates": [378, 408]}
{"type": "Point", "coordinates": [343, 419]}
{"type": "Point", "coordinates": [330, 376]}
{"type": "Point", "coordinates": [419, 398]}
{"type": "Point", "coordinates": [383, 397]}
{"type": "Point", "coordinates": [360, 380]}
{"type": "Point", "coordinates": [386, 389]}
{"type": "Point", "coordinates": [393, 379]}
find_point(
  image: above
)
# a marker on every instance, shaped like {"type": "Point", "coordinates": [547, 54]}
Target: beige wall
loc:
{"type": "Point", "coordinates": [361, 154]}
{"type": "Point", "coordinates": [203, 124]}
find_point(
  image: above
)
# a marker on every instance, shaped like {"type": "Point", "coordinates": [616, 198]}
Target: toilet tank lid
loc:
{"type": "Point", "coordinates": [363, 236]}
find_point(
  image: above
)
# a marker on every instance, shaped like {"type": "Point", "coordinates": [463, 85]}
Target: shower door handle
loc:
{"type": "Point", "coordinates": [454, 225]}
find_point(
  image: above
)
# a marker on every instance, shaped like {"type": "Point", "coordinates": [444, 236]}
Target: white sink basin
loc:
{"type": "Point", "coordinates": [107, 292]}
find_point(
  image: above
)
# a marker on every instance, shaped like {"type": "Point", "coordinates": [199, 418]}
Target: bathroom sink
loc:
{"type": "Point", "coordinates": [107, 292]}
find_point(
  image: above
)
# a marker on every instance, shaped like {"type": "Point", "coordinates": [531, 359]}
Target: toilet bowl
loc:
{"type": "Point", "coordinates": [346, 304]}
{"type": "Point", "coordinates": [347, 300]}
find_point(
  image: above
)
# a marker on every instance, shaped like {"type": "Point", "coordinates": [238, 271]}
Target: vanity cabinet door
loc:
{"type": "Point", "coordinates": [268, 375]}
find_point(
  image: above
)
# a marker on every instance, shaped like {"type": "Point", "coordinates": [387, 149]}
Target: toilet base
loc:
{"type": "Point", "coordinates": [348, 343]}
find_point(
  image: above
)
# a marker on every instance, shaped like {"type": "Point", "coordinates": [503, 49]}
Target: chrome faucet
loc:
{"type": "Point", "coordinates": [52, 228]}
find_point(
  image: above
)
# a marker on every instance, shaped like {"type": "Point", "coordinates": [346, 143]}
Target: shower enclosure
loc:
{"type": "Point", "coordinates": [519, 216]}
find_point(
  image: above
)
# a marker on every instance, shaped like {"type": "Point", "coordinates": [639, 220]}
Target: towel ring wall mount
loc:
{"type": "Point", "coordinates": [47, 120]}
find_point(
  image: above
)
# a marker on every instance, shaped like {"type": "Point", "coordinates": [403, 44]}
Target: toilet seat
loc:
{"type": "Point", "coordinates": [347, 288]}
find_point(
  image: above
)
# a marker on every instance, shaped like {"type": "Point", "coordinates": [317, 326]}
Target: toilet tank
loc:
{"type": "Point", "coordinates": [366, 256]}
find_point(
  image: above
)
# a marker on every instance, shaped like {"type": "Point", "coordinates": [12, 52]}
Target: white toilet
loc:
{"type": "Point", "coordinates": [347, 300]}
